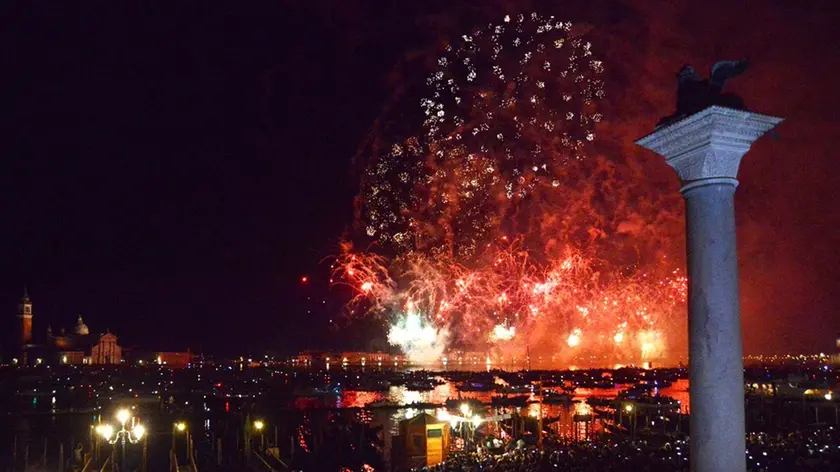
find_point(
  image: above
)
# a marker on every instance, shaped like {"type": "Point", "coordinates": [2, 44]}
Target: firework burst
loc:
{"type": "Point", "coordinates": [506, 121]}
{"type": "Point", "coordinates": [508, 303]}
{"type": "Point", "coordinates": [507, 106]}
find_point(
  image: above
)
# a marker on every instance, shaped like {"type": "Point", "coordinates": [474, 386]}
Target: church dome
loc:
{"type": "Point", "coordinates": [81, 327]}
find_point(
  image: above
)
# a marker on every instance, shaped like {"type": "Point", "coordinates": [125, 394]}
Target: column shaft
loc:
{"type": "Point", "coordinates": [714, 323]}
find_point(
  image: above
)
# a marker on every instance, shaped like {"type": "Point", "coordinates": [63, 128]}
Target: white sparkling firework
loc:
{"type": "Point", "coordinates": [507, 105]}
{"type": "Point", "coordinates": [419, 339]}
{"type": "Point", "coordinates": [502, 332]}
{"type": "Point", "coordinates": [535, 73]}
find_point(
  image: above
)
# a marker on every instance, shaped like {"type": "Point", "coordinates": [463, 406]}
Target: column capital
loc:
{"type": "Point", "coordinates": [710, 143]}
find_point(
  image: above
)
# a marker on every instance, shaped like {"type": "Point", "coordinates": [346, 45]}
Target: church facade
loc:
{"type": "Point", "coordinates": [74, 348]}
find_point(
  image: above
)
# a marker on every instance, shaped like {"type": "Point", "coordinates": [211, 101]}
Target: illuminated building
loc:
{"type": "Point", "coordinates": [423, 441]}
{"type": "Point", "coordinates": [106, 351]}
{"type": "Point", "coordinates": [78, 347]}
{"type": "Point", "coordinates": [174, 360]}
{"type": "Point", "coordinates": [81, 347]}
{"type": "Point", "coordinates": [23, 341]}
{"type": "Point", "coordinates": [25, 316]}
{"type": "Point", "coordinates": [323, 359]}
{"type": "Point", "coordinates": [72, 357]}
{"type": "Point", "coordinates": [309, 358]}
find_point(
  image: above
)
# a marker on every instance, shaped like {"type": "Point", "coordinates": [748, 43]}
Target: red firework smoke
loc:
{"type": "Point", "coordinates": [499, 232]}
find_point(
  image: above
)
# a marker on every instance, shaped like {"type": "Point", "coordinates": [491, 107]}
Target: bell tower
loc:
{"type": "Point", "coordinates": [25, 315]}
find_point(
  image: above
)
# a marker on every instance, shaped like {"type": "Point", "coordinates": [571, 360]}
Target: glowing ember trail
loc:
{"type": "Point", "coordinates": [510, 304]}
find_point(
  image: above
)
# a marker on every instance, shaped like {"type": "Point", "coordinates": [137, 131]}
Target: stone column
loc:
{"type": "Point", "coordinates": [705, 149]}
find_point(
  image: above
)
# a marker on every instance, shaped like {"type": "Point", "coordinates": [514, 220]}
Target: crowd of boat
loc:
{"type": "Point", "coordinates": [499, 388]}
{"type": "Point", "coordinates": [79, 389]}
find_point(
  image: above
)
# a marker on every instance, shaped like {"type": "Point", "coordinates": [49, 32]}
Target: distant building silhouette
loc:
{"type": "Point", "coordinates": [835, 357]}
{"type": "Point", "coordinates": [174, 360]}
{"type": "Point", "coordinates": [79, 347]}
{"type": "Point", "coordinates": [25, 317]}
{"type": "Point", "coordinates": [106, 351]}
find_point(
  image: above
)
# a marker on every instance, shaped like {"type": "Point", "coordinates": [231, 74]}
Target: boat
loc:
{"type": "Point", "coordinates": [476, 387]}
{"type": "Point", "coordinates": [514, 388]}
{"type": "Point", "coordinates": [518, 400]}
{"type": "Point", "coordinates": [659, 401]}
{"type": "Point", "coordinates": [663, 383]}
{"type": "Point", "coordinates": [637, 391]}
{"type": "Point", "coordinates": [599, 401]}
{"type": "Point", "coordinates": [372, 386]}
{"type": "Point", "coordinates": [317, 391]}
{"type": "Point", "coordinates": [602, 383]}
{"type": "Point", "coordinates": [456, 403]}
{"type": "Point", "coordinates": [383, 404]}
{"type": "Point", "coordinates": [420, 385]}
{"type": "Point", "coordinates": [423, 405]}
{"type": "Point", "coordinates": [654, 383]}
{"type": "Point", "coordinates": [553, 398]}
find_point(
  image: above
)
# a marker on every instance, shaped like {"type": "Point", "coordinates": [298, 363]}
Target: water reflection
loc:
{"type": "Point", "coordinates": [36, 420]}
{"type": "Point", "coordinates": [559, 419]}
{"type": "Point", "coordinates": [404, 397]}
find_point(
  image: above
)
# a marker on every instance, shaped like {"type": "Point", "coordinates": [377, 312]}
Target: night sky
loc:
{"type": "Point", "coordinates": [170, 172]}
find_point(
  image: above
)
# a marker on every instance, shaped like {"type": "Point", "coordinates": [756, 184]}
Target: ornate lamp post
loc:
{"type": "Point", "coordinates": [133, 434]}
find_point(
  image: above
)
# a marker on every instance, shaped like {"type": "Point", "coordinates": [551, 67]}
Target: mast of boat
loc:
{"type": "Point", "coordinates": [528, 355]}
{"type": "Point", "coordinates": [540, 422]}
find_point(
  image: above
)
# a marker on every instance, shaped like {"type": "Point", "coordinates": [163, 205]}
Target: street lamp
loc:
{"type": "Point", "coordinates": [132, 435]}
{"type": "Point", "coordinates": [123, 416]}
{"type": "Point", "coordinates": [180, 427]}
{"type": "Point", "coordinates": [629, 409]}
{"type": "Point", "coordinates": [259, 425]}
{"type": "Point", "coordinates": [105, 430]}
